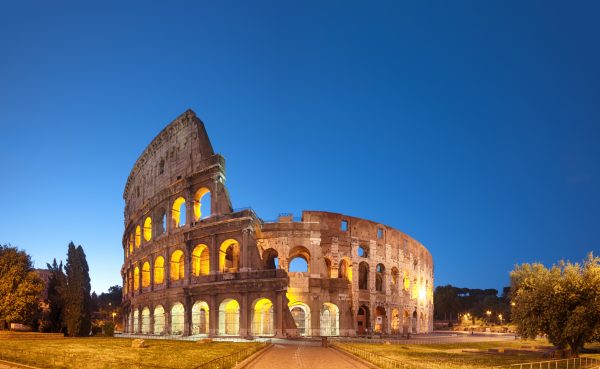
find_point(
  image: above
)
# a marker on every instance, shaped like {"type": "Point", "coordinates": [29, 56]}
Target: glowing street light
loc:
{"type": "Point", "coordinates": [500, 317]}
{"type": "Point", "coordinates": [114, 314]}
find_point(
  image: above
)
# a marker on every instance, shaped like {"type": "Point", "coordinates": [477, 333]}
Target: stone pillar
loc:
{"type": "Point", "coordinates": [244, 250]}
{"type": "Point", "coordinates": [244, 316]}
{"type": "Point", "coordinates": [279, 316]}
{"type": "Point", "coordinates": [187, 313]}
{"type": "Point", "coordinates": [151, 322]}
{"type": "Point", "coordinates": [214, 255]}
{"type": "Point", "coordinates": [167, 269]}
{"type": "Point", "coordinates": [213, 316]}
{"type": "Point", "coordinates": [187, 262]}
{"type": "Point", "coordinates": [214, 197]}
{"type": "Point", "coordinates": [189, 207]}
{"type": "Point", "coordinates": [140, 288]}
{"type": "Point", "coordinates": [151, 262]}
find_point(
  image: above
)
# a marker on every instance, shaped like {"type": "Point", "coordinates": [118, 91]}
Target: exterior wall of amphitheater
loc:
{"type": "Point", "coordinates": [195, 266]}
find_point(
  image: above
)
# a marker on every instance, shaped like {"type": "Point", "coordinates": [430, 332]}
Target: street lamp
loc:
{"type": "Point", "coordinates": [500, 318]}
{"type": "Point", "coordinates": [489, 313]}
{"type": "Point", "coordinates": [114, 314]}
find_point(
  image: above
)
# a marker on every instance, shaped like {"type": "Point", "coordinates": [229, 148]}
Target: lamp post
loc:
{"type": "Point", "coordinates": [488, 313]}
{"type": "Point", "coordinates": [114, 314]}
{"type": "Point", "coordinates": [500, 318]}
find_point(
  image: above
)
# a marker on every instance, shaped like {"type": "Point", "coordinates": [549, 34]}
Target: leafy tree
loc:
{"type": "Point", "coordinates": [77, 311]}
{"type": "Point", "coordinates": [561, 302]}
{"type": "Point", "coordinates": [56, 289]}
{"type": "Point", "coordinates": [20, 286]}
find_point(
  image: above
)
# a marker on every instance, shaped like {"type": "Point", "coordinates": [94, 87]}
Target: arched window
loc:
{"type": "Point", "coordinates": [136, 278]}
{"type": "Point", "coordinates": [379, 278]}
{"type": "Point", "coordinates": [363, 251]}
{"type": "Point", "coordinates": [262, 320]}
{"type": "Point", "coordinates": [161, 166]}
{"type": "Point", "coordinates": [362, 320]}
{"type": "Point", "coordinates": [138, 236]}
{"type": "Point", "coordinates": [177, 317]}
{"type": "Point", "coordinates": [200, 260]}
{"type": "Point", "coordinates": [146, 274]}
{"type": "Point", "coordinates": [229, 255]}
{"type": "Point", "coordinates": [229, 318]}
{"type": "Point", "coordinates": [301, 315]}
{"type": "Point", "coordinates": [380, 320]}
{"type": "Point", "coordinates": [136, 321]}
{"type": "Point", "coordinates": [200, 318]}
{"type": "Point", "coordinates": [345, 270]}
{"type": "Point", "coordinates": [131, 242]}
{"type": "Point", "coordinates": [148, 229]}
{"type": "Point", "coordinates": [159, 270]}
{"type": "Point", "coordinates": [271, 259]}
{"type": "Point", "coordinates": [299, 260]}
{"type": "Point", "coordinates": [395, 275]}
{"type": "Point", "coordinates": [202, 204]}
{"type": "Point", "coordinates": [145, 320]}
{"type": "Point", "coordinates": [363, 276]}
{"type": "Point", "coordinates": [330, 321]}
{"type": "Point", "coordinates": [177, 265]}
{"type": "Point", "coordinates": [178, 212]}
{"type": "Point", "coordinates": [159, 320]}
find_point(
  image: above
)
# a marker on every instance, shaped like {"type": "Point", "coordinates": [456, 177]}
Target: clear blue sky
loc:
{"type": "Point", "coordinates": [472, 126]}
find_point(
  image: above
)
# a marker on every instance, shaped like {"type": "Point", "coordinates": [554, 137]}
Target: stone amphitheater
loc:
{"type": "Point", "coordinates": [195, 266]}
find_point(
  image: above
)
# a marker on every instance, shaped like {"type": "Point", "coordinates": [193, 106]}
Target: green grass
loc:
{"type": "Point", "coordinates": [97, 353]}
{"type": "Point", "coordinates": [450, 356]}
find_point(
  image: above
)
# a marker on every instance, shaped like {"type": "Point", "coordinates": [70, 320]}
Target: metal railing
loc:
{"type": "Point", "coordinates": [381, 361]}
{"type": "Point", "coordinates": [229, 361]}
{"type": "Point", "coordinates": [575, 363]}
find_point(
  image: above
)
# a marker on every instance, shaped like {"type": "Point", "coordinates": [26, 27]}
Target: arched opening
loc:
{"type": "Point", "coordinates": [163, 221]}
{"type": "Point", "coordinates": [362, 325]}
{"type": "Point", "coordinates": [229, 256]}
{"type": "Point", "coordinates": [406, 282]}
{"type": "Point", "coordinates": [177, 265]}
{"type": "Point", "coordinates": [345, 270]}
{"type": "Point", "coordinates": [414, 322]}
{"type": "Point", "coordinates": [271, 259]}
{"type": "Point", "coordinates": [405, 322]}
{"type": "Point", "coordinates": [328, 267]}
{"type": "Point", "coordinates": [395, 276]}
{"type": "Point", "coordinates": [202, 204]}
{"type": "Point", "coordinates": [380, 278]}
{"type": "Point", "coordinates": [301, 315]}
{"type": "Point", "coordinates": [395, 321]}
{"type": "Point", "coordinates": [200, 260]}
{"type": "Point", "coordinates": [200, 318]}
{"type": "Point", "coordinates": [136, 321]}
{"type": "Point", "coordinates": [159, 320]}
{"type": "Point", "coordinates": [178, 212]}
{"type": "Point", "coordinates": [229, 318]}
{"type": "Point", "coordinates": [363, 251]}
{"type": "Point", "coordinates": [299, 258]}
{"type": "Point", "coordinates": [177, 318]}
{"type": "Point", "coordinates": [131, 243]}
{"type": "Point", "coordinates": [138, 237]}
{"type": "Point", "coordinates": [262, 318]}
{"type": "Point", "coordinates": [148, 229]}
{"type": "Point", "coordinates": [380, 320]}
{"type": "Point", "coordinates": [136, 279]}
{"type": "Point", "coordinates": [145, 320]}
{"type": "Point", "coordinates": [363, 276]}
{"type": "Point", "coordinates": [159, 270]}
{"type": "Point", "coordinates": [330, 321]}
{"type": "Point", "coordinates": [146, 274]}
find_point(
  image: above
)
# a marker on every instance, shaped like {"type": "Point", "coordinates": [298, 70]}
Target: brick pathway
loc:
{"type": "Point", "coordinates": [303, 356]}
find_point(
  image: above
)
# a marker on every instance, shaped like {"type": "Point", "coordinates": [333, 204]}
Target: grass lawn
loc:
{"type": "Point", "coordinates": [116, 352]}
{"type": "Point", "coordinates": [450, 356]}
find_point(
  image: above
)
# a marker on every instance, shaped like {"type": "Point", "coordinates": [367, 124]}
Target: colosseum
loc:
{"type": "Point", "coordinates": [194, 265]}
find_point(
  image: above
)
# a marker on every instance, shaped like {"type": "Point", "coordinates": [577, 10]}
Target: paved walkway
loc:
{"type": "Point", "coordinates": [304, 356]}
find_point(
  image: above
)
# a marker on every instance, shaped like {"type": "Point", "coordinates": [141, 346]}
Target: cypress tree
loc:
{"type": "Point", "coordinates": [77, 312]}
{"type": "Point", "coordinates": [56, 290]}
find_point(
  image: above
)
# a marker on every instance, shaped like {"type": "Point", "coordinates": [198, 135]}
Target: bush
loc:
{"type": "Point", "coordinates": [108, 329]}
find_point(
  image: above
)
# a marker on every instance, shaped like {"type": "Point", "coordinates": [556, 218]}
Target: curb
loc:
{"type": "Point", "coordinates": [249, 360]}
{"type": "Point", "coordinates": [356, 358]}
{"type": "Point", "coordinates": [17, 365]}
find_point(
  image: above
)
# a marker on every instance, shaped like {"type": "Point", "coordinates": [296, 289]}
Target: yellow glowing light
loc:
{"type": "Point", "coordinates": [148, 229]}
{"type": "Point", "coordinates": [198, 202]}
{"type": "Point", "coordinates": [138, 236]}
{"type": "Point", "coordinates": [422, 294]}
{"type": "Point", "coordinates": [488, 313]}
{"type": "Point", "coordinates": [229, 256]}
{"type": "Point", "coordinates": [200, 260]}
{"type": "Point", "coordinates": [159, 270]}
{"type": "Point", "coordinates": [178, 208]}
{"type": "Point", "coordinates": [177, 265]}
{"type": "Point", "coordinates": [136, 278]}
{"type": "Point", "coordinates": [146, 274]}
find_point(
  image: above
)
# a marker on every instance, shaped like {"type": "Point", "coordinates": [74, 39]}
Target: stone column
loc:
{"type": "Point", "coordinates": [141, 273]}
{"type": "Point", "coordinates": [244, 250]}
{"type": "Point", "coordinates": [244, 316]}
{"type": "Point", "coordinates": [279, 315]}
{"type": "Point", "coordinates": [151, 262]}
{"type": "Point", "coordinates": [167, 269]}
{"type": "Point", "coordinates": [189, 207]}
{"type": "Point", "coordinates": [214, 197]}
{"type": "Point", "coordinates": [187, 262]}
{"type": "Point", "coordinates": [213, 316]}
{"type": "Point", "coordinates": [214, 255]}
{"type": "Point", "coordinates": [187, 316]}
{"type": "Point", "coordinates": [151, 322]}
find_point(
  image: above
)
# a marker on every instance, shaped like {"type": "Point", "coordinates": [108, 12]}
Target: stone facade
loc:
{"type": "Point", "coordinates": [195, 266]}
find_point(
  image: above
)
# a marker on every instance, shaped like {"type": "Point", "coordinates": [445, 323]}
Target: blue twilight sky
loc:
{"type": "Point", "coordinates": [472, 126]}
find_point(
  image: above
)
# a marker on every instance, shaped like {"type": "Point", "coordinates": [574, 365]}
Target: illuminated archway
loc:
{"type": "Point", "coordinates": [395, 276]}
{"type": "Point", "coordinates": [406, 282]}
{"type": "Point", "coordinates": [202, 204]}
{"type": "Point", "coordinates": [178, 212]}
{"type": "Point", "coordinates": [145, 320]}
{"type": "Point", "coordinates": [229, 255]}
{"type": "Point", "coordinates": [200, 321]}
{"type": "Point", "coordinates": [159, 320]}
{"type": "Point", "coordinates": [380, 320]}
{"type": "Point", "coordinates": [362, 320]}
{"type": "Point", "coordinates": [301, 314]}
{"type": "Point", "coordinates": [159, 270]}
{"type": "Point", "coordinates": [330, 320]}
{"type": "Point", "coordinates": [177, 265]}
{"type": "Point", "coordinates": [177, 318]}
{"type": "Point", "coordinates": [136, 321]}
{"type": "Point", "coordinates": [148, 229]}
{"type": "Point", "coordinates": [138, 236]}
{"type": "Point", "coordinates": [262, 318]}
{"type": "Point", "coordinates": [200, 260]}
{"type": "Point", "coordinates": [395, 321]}
{"type": "Point", "coordinates": [414, 322]}
{"type": "Point", "coordinates": [136, 278]}
{"type": "Point", "coordinates": [229, 318]}
{"type": "Point", "coordinates": [146, 274]}
{"type": "Point", "coordinates": [345, 269]}
{"type": "Point", "coordinates": [131, 243]}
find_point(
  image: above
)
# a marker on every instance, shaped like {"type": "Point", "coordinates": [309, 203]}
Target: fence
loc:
{"type": "Point", "coordinates": [576, 363]}
{"type": "Point", "coordinates": [381, 361]}
{"type": "Point", "coordinates": [52, 360]}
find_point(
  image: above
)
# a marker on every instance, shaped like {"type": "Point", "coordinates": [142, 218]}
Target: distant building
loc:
{"type": "Point", "coordinates": [194, 265]}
